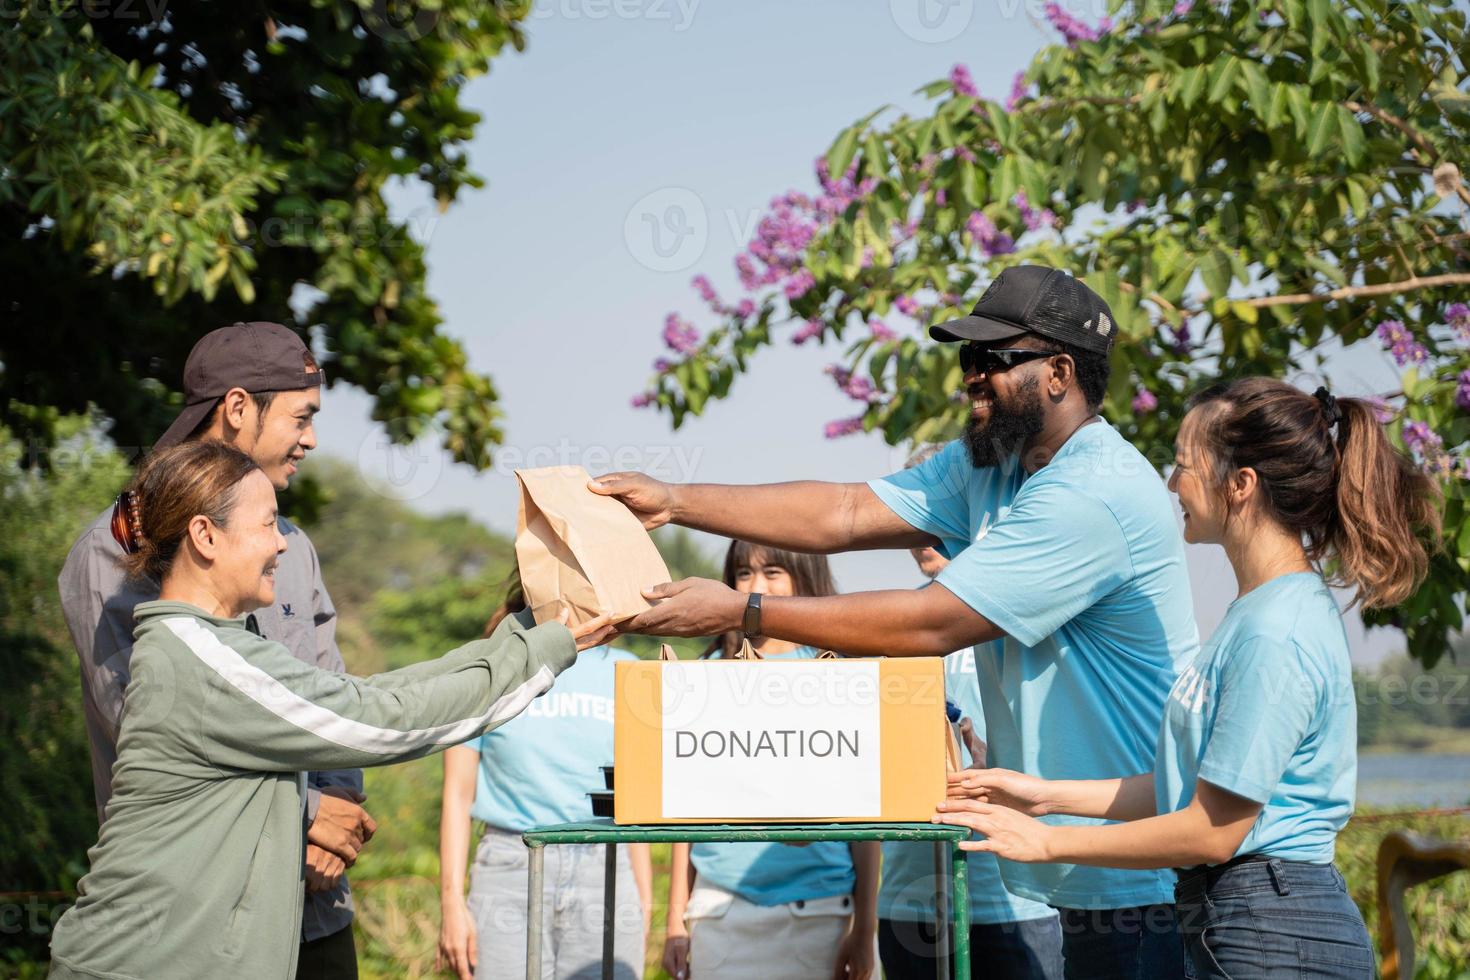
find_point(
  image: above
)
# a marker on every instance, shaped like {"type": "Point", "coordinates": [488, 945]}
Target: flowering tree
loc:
{"type": "Point", "coordinates": [1248, 185]}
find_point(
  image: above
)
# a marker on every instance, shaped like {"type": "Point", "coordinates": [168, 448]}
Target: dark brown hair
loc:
{"type": "Point", "coordinates": [514, 602]}
{"type": "Point", "coordinates": [171, 488]}
{"type": "Point", "coordinates": [810, 576]}
{"type": "Point", "coordinates": [1353, 498]}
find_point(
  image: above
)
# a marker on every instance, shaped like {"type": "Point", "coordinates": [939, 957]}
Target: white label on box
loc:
{"type": "Point", "coordinates": [771, 739]}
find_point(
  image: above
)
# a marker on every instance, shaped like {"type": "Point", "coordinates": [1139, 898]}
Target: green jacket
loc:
{"type": "Point", "coordinates": [198, 869]}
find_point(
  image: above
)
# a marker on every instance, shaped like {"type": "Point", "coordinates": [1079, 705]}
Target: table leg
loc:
{"type": "Point", "coordinates": [941, 910]}
{"type": "Point", "coordinates": [535, 879]}
{"type": "Point", "coordinates": [961, 891]}
{"type": "Point", "coordinates": [609, 905]}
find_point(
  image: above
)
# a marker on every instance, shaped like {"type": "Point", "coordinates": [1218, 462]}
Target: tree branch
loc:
{"type": "Point", "coordinates": [1423, 149]}
{"type": "Point", "coordinates": [1353, 292]}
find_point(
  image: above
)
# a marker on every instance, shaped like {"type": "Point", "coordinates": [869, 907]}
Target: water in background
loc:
{"type": "Point", "coordinates": [1412, 779]}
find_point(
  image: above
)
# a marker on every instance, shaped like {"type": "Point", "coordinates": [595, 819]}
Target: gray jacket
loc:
{"type": "Point", "coordinates": [197, 872]}
{"type": "Point", "coordinates": [98, 600]}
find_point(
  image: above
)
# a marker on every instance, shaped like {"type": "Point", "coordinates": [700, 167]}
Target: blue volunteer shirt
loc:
{"type": "Point", "coordinates": [1082, 565]}
{"type": "Point", "coordinates": [775, 873]}
{"type": "Point", "coordinates": [907, 893]}
{"type": "Point", "coordinates": [1268, 713]}
{"type": "Point", "coordinates": [538, 768]}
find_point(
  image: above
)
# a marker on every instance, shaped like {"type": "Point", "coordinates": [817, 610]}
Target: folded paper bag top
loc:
{"type": "Point", "coordinates": [580, 550]}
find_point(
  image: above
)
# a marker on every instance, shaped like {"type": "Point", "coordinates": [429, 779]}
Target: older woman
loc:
{"type": "Point", "coordinates": [197, 871]}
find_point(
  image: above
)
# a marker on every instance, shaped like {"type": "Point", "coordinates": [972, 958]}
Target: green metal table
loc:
{"type": "Point", "coordinates": [949, 865]}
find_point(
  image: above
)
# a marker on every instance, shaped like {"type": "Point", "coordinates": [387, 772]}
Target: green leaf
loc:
{"type": "Point", "coordinates": [1354, 143]}
{"type": "Point", "coordinates": [1222, 79]}
{"type": "Point", "coordinates": [1257, 89]}
{"type": "Point", "coordinates": [1322, 128]}
{"type": "Point", "coordinates": [842, 152]}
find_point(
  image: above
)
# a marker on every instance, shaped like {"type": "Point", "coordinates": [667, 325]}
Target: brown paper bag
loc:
{"type": "Point", "coordinates": [747, 652]}
{"type": "Point", "coordinates": [827, 655]}
{"type": "Point", "coordinates": [953, 761]}
{"type": "Point", "coordinates": [666, 652]}
{"type": "Point", "coordinates": [580, 550]}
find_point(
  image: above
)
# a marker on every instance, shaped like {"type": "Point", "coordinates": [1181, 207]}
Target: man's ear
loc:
{"type": "Point", "coordinates": [1063, 376]}
{"type": "Point", "coordinates": [204, 536]}
{"type": "Point", "coordinates": [237, 414]}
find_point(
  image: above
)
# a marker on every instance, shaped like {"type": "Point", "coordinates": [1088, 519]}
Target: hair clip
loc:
{"type": "Point", "coordinates": [1330, 411]}
{"type": "Point", "coordinates": [127, 521]}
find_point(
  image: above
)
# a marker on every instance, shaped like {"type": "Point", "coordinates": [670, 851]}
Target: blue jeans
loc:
{"type": "Point", "coordinates": [1026, 950]}
{"type": "Point", "coordinates": [1140, 943]}
{"type": "Point", "coordinates": [1272, 918]}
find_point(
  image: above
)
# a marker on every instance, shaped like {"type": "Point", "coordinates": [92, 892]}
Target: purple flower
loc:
{"type": "Point", "coordinates": [1183, 7]}
{"type": "Point", "coordinates": [857, 388]}
{"type": "Point", "coordinates": [810, 329]}
{"type": "Point", "coordinates": [959, 78]}
{"type": "Point", "coordinates": [1181, 339]}
{"type": "Point", "coordinates": [799, 283]}
{"type": "Point", "coordinates": [990, 240]}
{"type": "Point", "coordinates": [745, 308]}
{"type": "Point", "coordinates": [1073, 29]}
{"type": "Point", "coordinates": [865, 261]}
{"type": "Point", "coordinates": [663, 365]}
{"type": "Point", "coordinates": [679, 336]}
{"type": "Point", "coordinates": [1031, 217]}
{"type": "Point", "coordinates": [643, 399]}
{"type": "Point", "coordinates": [965, 153]}
{"type": "Point", "coordinates": [1401, 343]}
{"type": "Point", "coordinates": [907, 305]}
{"type": "Point", "coordinates": [1462, 393]}
{"type": "Point", "coordinates": [1458, 316]}
{"type": "Point", "coordinates": [880, 331]}
{"type": "Point", "coordinates": [1144, 402]}
{"type": "Point", "coordinates": [1420, 438]}
{"type": "Point", "coordinates": [706, 291]}
{"type": "Point", "coordinates": [838, 428]}
{"type": "Point", "coordinates": [1018, 91]}
{"type": "Point", "coordinates": [941, 197]}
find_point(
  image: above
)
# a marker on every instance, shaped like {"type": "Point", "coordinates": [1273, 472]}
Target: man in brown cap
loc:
{"type": "Point", "coordinates": [257, 387]}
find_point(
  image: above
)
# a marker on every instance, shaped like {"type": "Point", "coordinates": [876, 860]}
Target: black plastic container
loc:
{"type": "Point", "coordinates": [602, 804]}
{"type": "Point", "coordinates": [607, 775]}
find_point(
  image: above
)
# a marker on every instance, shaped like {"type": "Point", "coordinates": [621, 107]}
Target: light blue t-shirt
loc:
{"type": "Point", "coordinates": [537, 769]}
{"type": "Point", "coordinates": [1268, 713]}
{"type": "Point", "coordinates": [775, 873]}
{"type": "Point", "coordinates": [907, 892]}
{"type": "Point", "coordinates": [1082, 566]}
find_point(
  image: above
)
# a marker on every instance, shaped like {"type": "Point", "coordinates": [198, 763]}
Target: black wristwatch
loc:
{"type": "Point", "coordinates": [751, 624]}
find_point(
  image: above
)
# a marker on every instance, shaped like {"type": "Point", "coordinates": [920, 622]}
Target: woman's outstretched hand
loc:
{"type": "Point", "coordinates": [1008, 833]}
{"type": "Point", "coordinates": [1003, 787]}
{"type": "Point", "coordinates": [593, 633]}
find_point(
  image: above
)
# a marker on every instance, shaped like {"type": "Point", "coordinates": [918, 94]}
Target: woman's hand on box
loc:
{"type": "Point", "coordinates": [855, 959]}
{"type": "Point", "coordinates": [1007, 833]}
{"type": "Point", "coordinates": [691, 607]}
{"type": "Point", "coordinates": [1003, 787]}
{"type": "Point", "coordinates": [650, 500]}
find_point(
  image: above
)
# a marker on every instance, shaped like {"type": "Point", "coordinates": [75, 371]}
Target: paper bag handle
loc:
{"type": "Point", "coordinates": [666, 652]}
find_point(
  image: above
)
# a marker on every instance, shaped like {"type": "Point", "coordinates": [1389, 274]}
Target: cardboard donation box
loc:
{"type": "Point", "coordinates": [751, 740]}
{"type": "Point", "coordinates": [580, 550]}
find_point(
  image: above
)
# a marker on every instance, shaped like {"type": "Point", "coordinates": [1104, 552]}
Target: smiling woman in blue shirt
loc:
{"type": "Point", "coordinates": [1256, 765]}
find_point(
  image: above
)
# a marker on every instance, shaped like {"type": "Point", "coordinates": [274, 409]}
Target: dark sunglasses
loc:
{"type": "Point", "coordinates": [989, 360]}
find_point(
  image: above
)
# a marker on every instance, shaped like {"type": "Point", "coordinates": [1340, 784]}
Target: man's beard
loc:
{"type": "Point", "coordinates": [1008, 428]}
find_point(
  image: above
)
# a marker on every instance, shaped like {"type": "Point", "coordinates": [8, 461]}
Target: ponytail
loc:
{"type": "Point", "coordinates": [1382, 499]}
{"type": "Point", "coordinates": [1327, 471]}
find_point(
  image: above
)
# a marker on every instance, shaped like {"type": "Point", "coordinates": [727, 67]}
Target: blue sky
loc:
{"type": "Point", "coordinates": [554, 280]}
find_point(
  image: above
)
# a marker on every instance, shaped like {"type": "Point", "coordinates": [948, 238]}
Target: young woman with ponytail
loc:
{"type": "Point", "coordinates": [1256, 765]}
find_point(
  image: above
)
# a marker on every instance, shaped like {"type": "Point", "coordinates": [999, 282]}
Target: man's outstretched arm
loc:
{"type": "Point", "coordinates": [822, 518]}
{"type": "Point", "coordinates": [927, 622]}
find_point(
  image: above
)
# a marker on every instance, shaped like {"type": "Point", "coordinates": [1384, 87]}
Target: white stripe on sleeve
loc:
{"type": "Point", "coordinates": [322, 722]}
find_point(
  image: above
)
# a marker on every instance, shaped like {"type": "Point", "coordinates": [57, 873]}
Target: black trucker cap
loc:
{"type": "Point", "coordinates": [1040, 300]}
{"type": "Point", "coordinates": [255, 356]}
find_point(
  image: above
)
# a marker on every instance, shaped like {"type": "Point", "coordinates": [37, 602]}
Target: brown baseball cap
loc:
{"type": "Point", "coordinates": [255, 356]}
